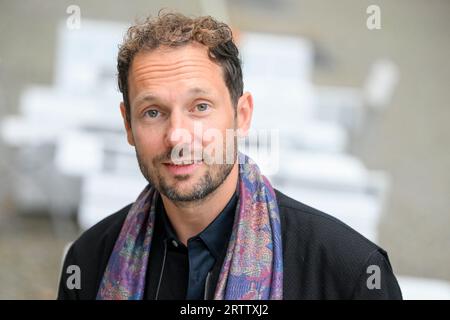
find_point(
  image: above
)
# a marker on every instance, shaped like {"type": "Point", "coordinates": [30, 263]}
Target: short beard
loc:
{"type": "Point", "coordinates": [201, 190]}
{"type": "Point", "coordinates": [207, 184]}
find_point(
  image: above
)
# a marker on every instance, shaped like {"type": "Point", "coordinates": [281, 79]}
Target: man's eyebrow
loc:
{"type": "Point", "coordinates": [150, 97]}
{"type": "Point", "coordinates": [197, 90]}
{"type": "Point", "coordinates": [147, 97]}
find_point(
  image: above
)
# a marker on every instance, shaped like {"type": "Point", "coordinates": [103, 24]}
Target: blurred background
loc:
{"type": "Point", "coordinates": [358, 92]}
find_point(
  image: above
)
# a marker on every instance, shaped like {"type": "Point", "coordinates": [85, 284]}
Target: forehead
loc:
{"type": "Point", "coordinates": [185, 65]}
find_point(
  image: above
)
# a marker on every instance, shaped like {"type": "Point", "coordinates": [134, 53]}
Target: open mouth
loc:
{"type": "Point", "coordinates": [183, 167]}
{"type": "Point", "coordinates": [183, 162]}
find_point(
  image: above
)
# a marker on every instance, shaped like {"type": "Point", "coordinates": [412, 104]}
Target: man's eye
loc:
{"type": "Point", "coordinates": [202, 107]}
{"type": "Point", "coordinates": [152, 113]}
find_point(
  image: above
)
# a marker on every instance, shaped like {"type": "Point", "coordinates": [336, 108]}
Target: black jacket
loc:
{"type": "Point", "coordinates": [323, 258]}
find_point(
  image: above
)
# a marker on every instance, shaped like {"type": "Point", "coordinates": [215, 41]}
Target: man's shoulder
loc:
{"type": "Point", "coordinates": [103, 231]}
{"type": "Point", "coordinates": [90, 252]}
{"type": "Point", "coordinates": [310, 228]}
{"type": "Point", "coordinates": [327, 259]}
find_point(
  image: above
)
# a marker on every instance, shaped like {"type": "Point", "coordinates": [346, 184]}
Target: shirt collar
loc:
{"type": "Point", "coordinates": [215, 235]}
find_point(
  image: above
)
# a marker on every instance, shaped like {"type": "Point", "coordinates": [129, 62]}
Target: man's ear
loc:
{"type": "Point", "coordinates": [127, 124]}
{"type": "Point", "coordinates": [244, 112]}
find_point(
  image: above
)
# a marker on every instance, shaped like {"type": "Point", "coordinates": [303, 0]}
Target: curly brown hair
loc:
{"type": "Point", "coordinates": [175, 29]}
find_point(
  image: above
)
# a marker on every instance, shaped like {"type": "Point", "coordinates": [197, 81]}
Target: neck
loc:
{"type": "Point", "coordinates": [190, 218]}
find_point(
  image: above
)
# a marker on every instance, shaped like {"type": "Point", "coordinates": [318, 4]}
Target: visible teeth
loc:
{"type": "Point", "coordinates": [181, 163]}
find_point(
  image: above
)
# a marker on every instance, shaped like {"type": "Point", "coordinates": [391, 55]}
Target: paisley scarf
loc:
{"type": "Point", "coordinates": [253, 265]}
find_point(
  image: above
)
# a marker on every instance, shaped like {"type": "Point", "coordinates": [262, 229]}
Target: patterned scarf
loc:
{"type": "Point", "coordinates": [253, 265]}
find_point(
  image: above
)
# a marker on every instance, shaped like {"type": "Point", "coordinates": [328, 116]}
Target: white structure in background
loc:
{"type": "Point", "coordinates": [87, 58]}
{"type": "Point", "coordinates": [110, 178]}
{"type": "Point", "coordinates": [423, 288]}
{"type": "Point", "coordinates": [381, 83]}
{"type": "Point", "coordinates": [314, 125]}
{"type": "Point", "coordinates": [76, 123]}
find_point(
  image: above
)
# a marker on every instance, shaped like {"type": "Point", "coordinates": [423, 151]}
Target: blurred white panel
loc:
{"type": "Point", "coordinates": [18, 131]}
{"type": "Point", "coordinates": [79, 153]}
{"type": "Point", "coordinates": [265, 152]}
{"type": "Point", "coordinates": [282, 104]}
{"type": "Point", "coordinates": [87, 57]}
{"type": "Point", "coordinates": [39, 104]}
{"type": "Point", "coordinates": [67, 110]}
{"type": "Point", "coordinates": [424, 288]}
{"type": "Point", "coordinates": [326, 169]}
{"type": "Point", "coordinates": [341, 105]}
{"type": "Point", "coordinates": [126, 164]}
{"type": "Point", "coordinates": [317, 136]}
{"type": "Point", "coordinates": [276, 56]}
{"type": "Point", "coordinates": [103, 194]}
{"type": "Point", "coordinates": [381, 82]}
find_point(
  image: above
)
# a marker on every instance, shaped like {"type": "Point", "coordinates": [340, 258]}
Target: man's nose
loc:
{"type": "Point", "coordinates": [178, 130]}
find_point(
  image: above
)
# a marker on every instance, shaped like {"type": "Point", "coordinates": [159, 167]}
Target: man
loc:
{"type": "Point", "coordinates": [209, 225]}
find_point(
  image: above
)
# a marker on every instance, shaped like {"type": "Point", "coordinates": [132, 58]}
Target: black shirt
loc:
{"type": "Point", "coordinates": [179, 272]}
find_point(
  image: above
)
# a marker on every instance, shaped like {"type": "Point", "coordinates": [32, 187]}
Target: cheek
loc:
{"type": "Point", "coordinates": [148, 142]}
{"type": "Point", "coordinates": [219, 136]}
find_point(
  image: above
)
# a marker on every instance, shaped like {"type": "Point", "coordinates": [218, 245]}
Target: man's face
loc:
{"type": "Point", "coordinates": [178, 96]}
